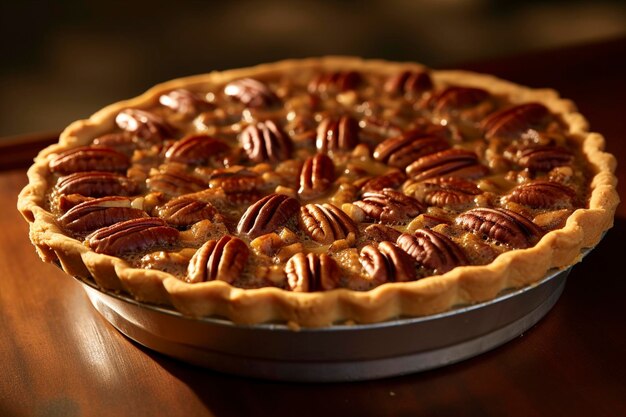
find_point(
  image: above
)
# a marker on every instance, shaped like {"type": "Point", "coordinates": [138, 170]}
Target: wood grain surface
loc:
{"type": "Point", "coordinates": [60, 358]}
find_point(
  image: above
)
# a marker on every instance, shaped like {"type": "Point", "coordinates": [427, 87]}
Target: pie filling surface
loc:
{"type": "Point", "coordinates": [313, 178]}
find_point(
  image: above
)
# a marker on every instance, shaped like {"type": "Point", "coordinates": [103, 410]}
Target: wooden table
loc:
{"type": "Point", "coordinates": [60, 358]}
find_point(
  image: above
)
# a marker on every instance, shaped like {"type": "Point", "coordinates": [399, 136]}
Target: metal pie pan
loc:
{"type": "Point", "coordinates": [335, 353]}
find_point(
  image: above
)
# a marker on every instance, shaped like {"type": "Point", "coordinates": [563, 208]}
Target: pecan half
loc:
{"type": "Point", "coordinates": [251, 92]}
{"type": "Point", "coordinates": [446, 192]}
{"type": "Point", "coordinates": [144, 124]}
{"type": "Point", "coordinates": [380, 233]}
{"type": "Point", "coordinates": [543, 195]}
{"type": "Point", "coordinates": [185, 102]}
{"type": "Point", "coordinates": [267, 214]}
{"type": "Point", "coordinates": [325, 223]}
{"type": "Point", "coordinates": [185, 211]}
{"type": "Point", "coordinates": [266, 141]}
{"type": "Point", "coordinates": [513, 121]}
{"type": "Point", "coordinates": [120, 141]}
{"type": "Point", "coordinates": [173, 182]}
{"type": "Point", "coordinates": [240, 186]}
{"type": "Point", "coordinates": [455, 98]}
{"type": "Point", "coordinates": [391, 180]}
{"type": "Point", "coordinates": [543, 158]}
{"type": "Point", "coordinates": [433, 250]}
{"type": "Point", "coordinates": [335, 135]}
{"type": "Point", "coordinates": [137, 235]}
{"type": "Point", "coordinates": [378, 128]}
{"type": "Point", "coordinates": [502, 225]}
{"type": "Point", "coordinates": [66, 202]}
{"type": "Point", "coordinates": [450, 163]}
{"type": "Point", "coordinates": [387, 263]}
{"type": "Point", "coordinates": [402, 150]}
{"type": "Point", "coordinates": [221, 260]}
{"type": "Point", "coordinates": [411, 83]}
{"type": "Point", "coordinates": [308, 273]}
{"type": "Point", "coordinates": [95, 184]}
{"type": "Point", "coordinates": [316, 176]}
{"type": "Point", "coordinates": [334, 82]}
{"type": "Point", "coordinates": [196, 149]}
{"type": "Point", "coordinates": [94, 214]}
{"type": "Point", "coordinates": [244, 198]}
{"type": "Point", "coordinates": [89, 158]}
{"type": "Point", "coordinates": [389, 206]}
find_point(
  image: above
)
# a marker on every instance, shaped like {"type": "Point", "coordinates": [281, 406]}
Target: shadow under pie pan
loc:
{"type": "Point", "coordinates": [336, 353]}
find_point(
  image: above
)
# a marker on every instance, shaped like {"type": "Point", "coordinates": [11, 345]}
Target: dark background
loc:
{"type": "Point", "coordinates": [64, 60]}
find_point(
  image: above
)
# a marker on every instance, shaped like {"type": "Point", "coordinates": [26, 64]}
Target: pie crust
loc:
{"type": "Point", "coordinates": [557, 249]}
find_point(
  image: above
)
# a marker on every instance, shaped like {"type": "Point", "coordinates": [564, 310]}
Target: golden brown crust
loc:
{"type": "Point", "coordinates": [557, 249]}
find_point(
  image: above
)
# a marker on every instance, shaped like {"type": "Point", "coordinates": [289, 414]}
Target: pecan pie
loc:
{"type": "Point", "coordinates": [323, 190]}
